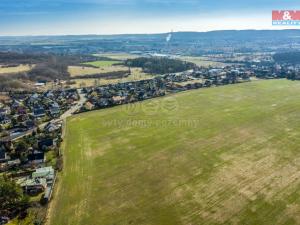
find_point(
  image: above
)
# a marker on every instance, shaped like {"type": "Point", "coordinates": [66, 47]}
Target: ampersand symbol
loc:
{"type": "Point", "coordinates": [286, 15]}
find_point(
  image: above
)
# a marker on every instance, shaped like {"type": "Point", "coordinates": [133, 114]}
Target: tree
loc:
{"type": "Point", "coordinates": [21, 146]}
{"type": "Point", "coordinates": [38, 130]}
{"type": "Point", "coordinates": [12, 199]}
{"type": "Point", "coordinates": [160, 65]}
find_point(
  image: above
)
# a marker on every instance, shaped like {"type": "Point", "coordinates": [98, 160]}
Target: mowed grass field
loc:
{"type": "Point", "coordinates": [226, 155]}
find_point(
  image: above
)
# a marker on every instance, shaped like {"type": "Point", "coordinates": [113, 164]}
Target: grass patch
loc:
{"type": "Point", "coordinates": [51, 158]}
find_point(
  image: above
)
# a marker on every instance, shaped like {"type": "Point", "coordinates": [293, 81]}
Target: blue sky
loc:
{"type": "Point", "coordinates": [41, 17]}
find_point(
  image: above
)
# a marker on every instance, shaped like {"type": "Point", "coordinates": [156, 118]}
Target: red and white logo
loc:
{"type": "Point", "coordinates": [286, 15]}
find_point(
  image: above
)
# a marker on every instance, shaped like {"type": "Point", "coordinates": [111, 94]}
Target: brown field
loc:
{"type": "Point", "coordinates": [203, 61]}
{"type": "Point", "coordinates": [136, 74]}
{"type": "Point", "coordinates": [4, 97]}
{"type": "Point", "coordinates": [82, 70]}
{"type": "Point", "coordinates": [15, 69]}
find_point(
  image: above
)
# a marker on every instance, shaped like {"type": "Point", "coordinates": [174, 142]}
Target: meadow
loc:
{"type": "Point", "coordinates": [226, 155]}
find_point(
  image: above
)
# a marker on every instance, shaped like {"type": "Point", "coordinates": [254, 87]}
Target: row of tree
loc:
{"type": "Point", "coordinates": [160, 65]}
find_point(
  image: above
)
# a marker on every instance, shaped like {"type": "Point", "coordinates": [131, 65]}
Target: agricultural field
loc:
{"type": "Point", "coordinates": [118, 56]}
{"type": "Point", "coordinates": [15, 69]}
{"type": "Point", "coordinates": [100, 64]}
{"type": "Point", "coordinates": [203, 61]}
{"type": "Point", "coordinates": [83, 70]}
{"type": "Point", "coordinates": [136, 74]}
{"type": "Point", "coordinates": [226, 155]}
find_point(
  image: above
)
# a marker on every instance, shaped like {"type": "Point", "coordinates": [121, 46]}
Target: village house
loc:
{"type": "Point", "coordinates": [48, 174]}
{"type": "Point", "coordinates": [4, 157]}
{"type": "Point", "coordinates": [29, 124]}
{"type": "Point", "coordinates": [39, 112]}
{"type": "Point", "coordinates": [55, 110]}
{"type": "Point", "coordinates": [33, 186]}
{"type": "Point", "coordinates": [51, 127]}
{"type": "Point", "coordinates": [49, 94]}
{"type": "Point", "coordinates": [36, 157]}
{"type": "Point", "coordinates": [16, 104]}
{"type": "Point", "coordinates": [13, 163]}
{"type": "Point", "coordinates": [5, 121]}
{"type": "Point", "coordinates": [33, 99]}
{"type": "Point", "coordinates": [45, 172]}
{"type": "Point", "coordinates": [117, 100]}
{"type": "Point", "coordinates": [47, 143]}
{"type": "Point", "coordinates": [88, 106]}
{"type": "Point", "coordinates": [5, 111]}
{"type": "Point", "coordinates": [22, 118]}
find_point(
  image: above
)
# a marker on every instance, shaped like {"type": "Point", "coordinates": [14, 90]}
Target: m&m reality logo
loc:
{"type": "Point", "coordinates": [286, 17]}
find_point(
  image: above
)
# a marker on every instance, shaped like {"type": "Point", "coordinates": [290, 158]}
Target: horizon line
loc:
{"type": "Point", "coordinates": [154, 33]}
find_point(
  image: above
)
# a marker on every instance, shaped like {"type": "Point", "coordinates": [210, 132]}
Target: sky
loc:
{"type": "Point", "coordinates": [59, 17]}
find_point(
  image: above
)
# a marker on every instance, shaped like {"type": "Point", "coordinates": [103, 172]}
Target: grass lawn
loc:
{"type": "Point", "coordinates": [101, 63]}
{"type": "Point", "coordinates": [226, 155]}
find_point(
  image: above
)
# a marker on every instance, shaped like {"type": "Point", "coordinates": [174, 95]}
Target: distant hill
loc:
{"type": "Point", "coordinates": [193, 43]}
{"type": "Point", "coordinates": [219, 34]}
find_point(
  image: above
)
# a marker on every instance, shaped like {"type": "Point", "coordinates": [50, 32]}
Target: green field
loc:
{"type": "Point", "coordinates": [226, 155]}
{"type": "Point", "coordinates": [101, 63]}
{"type": "Point", "coordinates": [118, 56]}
